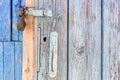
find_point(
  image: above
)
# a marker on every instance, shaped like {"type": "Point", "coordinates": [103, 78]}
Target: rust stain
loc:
{"type": "Point", "coordinates": [27, 70]}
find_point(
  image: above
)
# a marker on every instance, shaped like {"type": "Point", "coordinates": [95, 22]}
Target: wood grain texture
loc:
{"type": "Point", "coordinates": [8, 60]}
{"type": "Point", "coordinates": [111, 52]}
{"type": "Point", "coordinates": [45, 27]}
{"type": "Point", "coordinates": [1, 60]}
{"type": "Point", "coordinates": [18, 61]}
{"type": "Point", "coordinates": [28, 50]}
{"type": "Point", "coordinates": [85, 40]}
{"type": "Point", "coordinates": [5, 20]}
{"type": "Point", "coordinates": [28, 46]}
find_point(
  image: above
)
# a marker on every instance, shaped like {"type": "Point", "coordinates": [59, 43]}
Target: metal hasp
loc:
{"type": "Point", "coordinates": [40, 13]}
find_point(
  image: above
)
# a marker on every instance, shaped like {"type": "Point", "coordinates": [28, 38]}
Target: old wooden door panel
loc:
{"type": "Point", "coordinates": [5, 22]}
{"type": "Point", "coordinates": [85, 40]}
{"type": "Point", "coordinates": [16, 34]}
{"type": "Point", "coordinates": [10, 60]}
{"type": "Point", "coordinates": [28, 67]}
{"type": "Point", "coordinates": [10, 51]}
{"type": "Point", "coordinates": [18, 60]}
{"type": "Point", "coordinates": [1, 60]}
{"type": "Point", "coordinates": [111, 40]}
{"type": "Point", "coordinates": [45, 27]}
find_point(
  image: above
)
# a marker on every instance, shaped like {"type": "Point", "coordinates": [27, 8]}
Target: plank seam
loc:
{"type": "Point", "coordinates": [102, 37]}
{"type": "Point", "coordinates": [67, 39]}
{"type": "Point", "coordinates": [11, 20]}
{"type": "Point", "coordinates": [3, 59]}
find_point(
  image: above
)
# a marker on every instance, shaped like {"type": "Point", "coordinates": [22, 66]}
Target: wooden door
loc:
{"type": "Point", "coordinates": [10, 41]}
{"type": "Point", "coordinates": [79, 32]}
{"type": "Point", "coordinates": [88, 40]}
{"type": "Point", "coordinates": [43, 29]}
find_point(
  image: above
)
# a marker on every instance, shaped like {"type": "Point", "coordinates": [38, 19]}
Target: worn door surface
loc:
{"type": "Point", "coordinates": [10, 41]}
{"type": "Point", "coordinates": [88, 36]}
{"type": "Point", "coordinates": [88, 40]}
{"type": "Point", "coordinates": [79, 40]}
{"type": "Point", "coordinates": [43, 29]}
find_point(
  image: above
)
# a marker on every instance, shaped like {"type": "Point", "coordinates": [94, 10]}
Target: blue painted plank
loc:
{"type": "Point", "coordinates": [1, 61]}
{"type": "Point", "coordinates": [15, 8]}
{"type": "Point", "coordinates": [5, 20]}
{"type": "Point", "coordinates": [8, 60]}
{"type": "Point", "coordinates": [20, 32]}
{"type": "Point", "coordinates": [22, 2]}
{"type": "Point", "coordinates": [18, 60]}
{"type": "Point", "coordinates": [20, 35]}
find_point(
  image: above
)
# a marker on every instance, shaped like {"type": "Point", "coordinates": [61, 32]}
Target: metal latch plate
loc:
{"type": "Point", "coordinates": [40, 13]}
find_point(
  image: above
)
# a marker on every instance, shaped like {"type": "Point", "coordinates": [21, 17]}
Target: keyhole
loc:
{"type": "Point", "coordinates": [44, 39]}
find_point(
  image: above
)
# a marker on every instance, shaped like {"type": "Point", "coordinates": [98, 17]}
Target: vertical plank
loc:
{"type": "Point", "coordinates": [46, 26]}
{"type": "Point", "coordinates": [1, 60]}
{"type": "Point", "coordinates": [28, 46]}
{"type": "Point", "coordinates": [15, 8]}
{"type": "Point", "coordinates": [20, 37]}
{"type": "Point", "coordinates": [111, 52]}
{"type": "Point", "coordinates": [20, 33]}
{"type": "Point", "coordinates": [85, 40]}
{"type": "Point", "coordinates": [61, 28]}
{"type": "Point", "coordinates": [8, 60]}
{"type": "Point", "coordinates": [16, 34]}
{"type": "Point", "coordinates": [18, 61]}
{"type": "Point", "coordinates": [41, 70]}
{"type": "Point", "coordinates": [5, 20]}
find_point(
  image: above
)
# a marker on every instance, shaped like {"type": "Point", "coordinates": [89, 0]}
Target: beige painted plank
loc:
{"type": "Point", "coordinates": [28, 46]}
{"type": "Point", "coordinates": [111, 53]}
{"type": "Point", "coordinates": [45, 24]}
{"type": "Point", "coordinates": [85, 40]}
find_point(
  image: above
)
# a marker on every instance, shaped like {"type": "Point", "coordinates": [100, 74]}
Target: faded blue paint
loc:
{"type": "Point", "coordinates": [15, 8]}
{"type": "Point", "coordinates": [10, 52]}
{"type": "Point", "coordinates": [20, 36]}
{"type": "Point", "coordinates": [5, 20]}
{"type": "Point", "coordinates": [16, 34]}
{"type": "Point", "coordinates": [1, 61]}
{"type": "Point", "coordinates": [18, 60]}
{"type": "Point", "coordinates": [22, 3]}
{"type": "Point", "coordinates": [8, 60]}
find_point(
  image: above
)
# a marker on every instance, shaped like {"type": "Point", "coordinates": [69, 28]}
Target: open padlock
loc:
{"type": "Point", "coordinates": [38, 13]}
{"type": "Point", "coordinates": [21, 19]}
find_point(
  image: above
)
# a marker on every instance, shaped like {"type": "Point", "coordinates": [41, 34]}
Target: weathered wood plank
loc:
{"type": "Point", "coordinates": [28, 50]}
{"type": "Point", "coordinates": [61, 28]}
{"type": "Point", "coordinates": [111, 41]}
{"type": "Point", "coordinates": [28, 46]}
{"type": "Point", "coordinates": [45, 24]}
{"type": "Point", "coordinates": [85, 40]}
{"type": "Point", "coordinates": [15, 8]}
{"type": "Point", "coordinates": [41, 59]}
{"type": "Point", "coordinates": [8, 60]}
{"type": "Point", "coordinates": [1, 60]}
{"type": "Point", "coordinates": [5, 20]}
{"type": "Point", "coordinates": [20, 37]}
{"type": "Point", "coordinates": [18, 60]}
{"type": "Point", "coordinates": [20, 33]}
